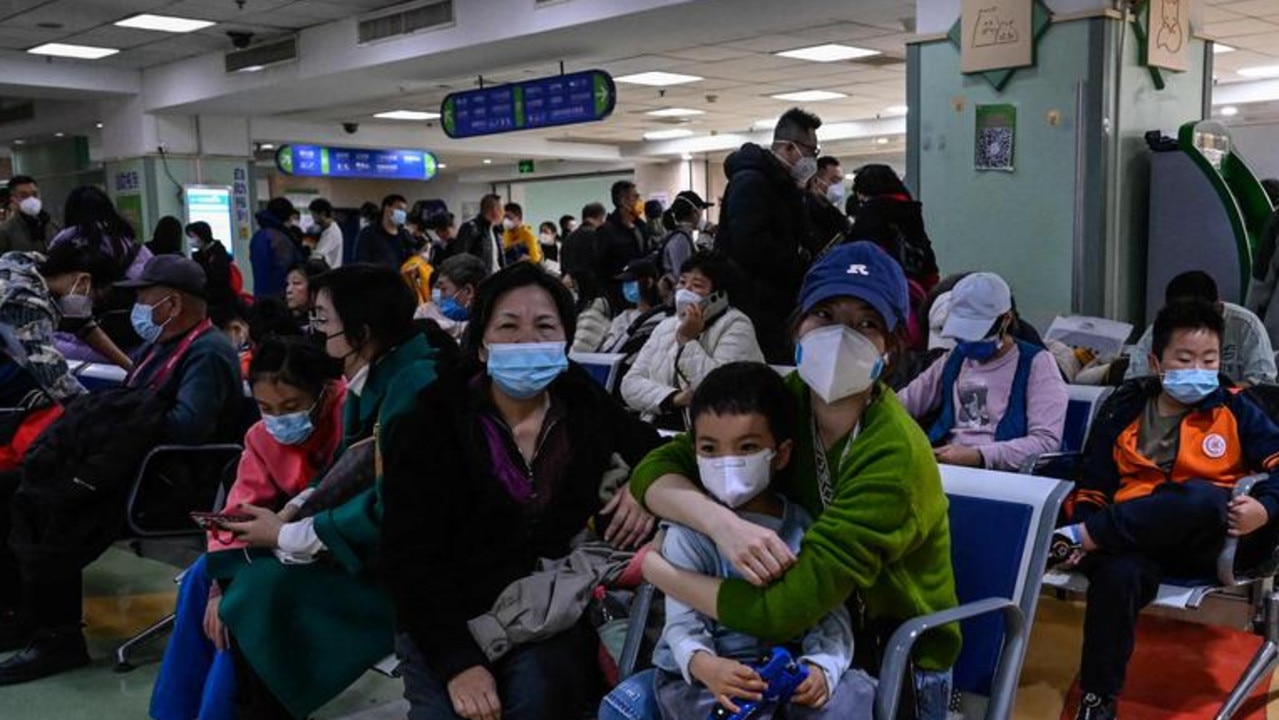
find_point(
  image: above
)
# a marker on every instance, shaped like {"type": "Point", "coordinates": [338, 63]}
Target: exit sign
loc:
{"type": "Point", "coordinates": [526, 167]}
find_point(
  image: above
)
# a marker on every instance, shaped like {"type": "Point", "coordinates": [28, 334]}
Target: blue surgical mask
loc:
{"type": "Point", "coordinates": [144, 325]}
{"type": "Point", "coordinates": [399, 217]}
{"type": "Point", "coordinates": [290, 429]}
{"type": "Point", "coordinates": [522, 370]}
{"type": "Point", "coordinates": [978, 350]}
{"type": "Point", "coordinates": [631, 291]}
{"type": "Point", "coordinates": [454, 310]}
{"type": "Point", "coordinates": [1190, 385]}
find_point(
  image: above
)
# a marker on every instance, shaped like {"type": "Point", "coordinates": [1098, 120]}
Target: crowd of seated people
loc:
{"type": "Point", "coordinates": [424, 445]}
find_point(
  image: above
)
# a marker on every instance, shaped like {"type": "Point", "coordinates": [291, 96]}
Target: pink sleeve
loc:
{"type": "Point", "coordinates": [923, 394]}
{"type": "Point", "coordinates": [253, 486]}
{"type": "Point", "coordinates": [1046, 400]}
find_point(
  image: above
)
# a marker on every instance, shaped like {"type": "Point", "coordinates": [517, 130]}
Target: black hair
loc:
{"type": "Point", "coordinates": [589, 288]}
{"type": "Point", "coordinates": [503, 281]}
{"type": "Point", "coordinates": [66, 258]}
{"type": "Point", "coordinates": [463, 270]}
{"type": "Point", "coordinates": [201, 230]}
{"type": "Point", "coordinates": [875, 179]}
{"type": "Point", "coordinates": [746, 388]}
{"type": "Point", "coordinates": [620, 188]}
{"type": "Point", "coordinates": [90, 211]}
{"type": "Point", "coordinates": [393, 198]}
{"type": "Point", "coordinates": [373, 303]}
{"type": "Point", "coordinates": [1185, 314]}
{"type": "Point", "coordinates": [438, 221]}
{"type": "Point", "coordinates": [564, 221]}
{"type": "Point", "coordinates": [653, 209]}
{"type": "Point", "coordinates": [548, 224]}
{"type": "Point", "coordinates": [595, 211]}
{"type": "Point", "coordinates": [281, 208]}
{"type": "Point", "coordinates": [17, 180]}
{"type": "Point", "coordinates": [1193, 284]}
{"type": "Point", "coordinates": [370, 212]}
{"type": "Point", "coordinates": [717, 267]}
{"type": "Point", "coordinates": [321, 206]}
{"type": "Point", "coordinates": [794, 125]}
{"type": "Point", "coordinates": [827, 161]}
{"type": "Point", "coordinates": [166, 239]}
{"type": "Point", "coordinates": [269, 317]}
{"type": "Point", "coordinates": [295, 362]}
{"type": "Point", "coordinates": [311, 267]}
{"type": "Point", "coordinates": [514, 209]}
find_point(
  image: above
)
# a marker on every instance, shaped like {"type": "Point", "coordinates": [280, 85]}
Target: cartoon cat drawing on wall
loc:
{"type": "Point", "coordinates": [991, 29]}
{"type": "Point", "coordinates": [1170, 36]}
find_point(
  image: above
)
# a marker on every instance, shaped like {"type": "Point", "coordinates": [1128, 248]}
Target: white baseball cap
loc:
{"type": "Point", "coordinates": [976, 302]}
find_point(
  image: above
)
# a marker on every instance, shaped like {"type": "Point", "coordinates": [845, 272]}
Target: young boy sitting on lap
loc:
{"type": "Point", "coordinates": [743, 427]}
{"type": "Point", "coordinates": [1154, 496]}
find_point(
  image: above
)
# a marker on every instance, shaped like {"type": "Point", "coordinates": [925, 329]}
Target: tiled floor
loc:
{"type": "Point", "coordinates": [126, 593]}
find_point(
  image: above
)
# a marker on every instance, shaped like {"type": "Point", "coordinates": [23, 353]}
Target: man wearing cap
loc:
{"type": "Point", "coordinates": [632, 326]}
{"type": "Point", "coordinates": [185, 361]}
{"type": "Point", "coordinates": [993, 401]}
{"type": "Point", "coordinates": [688, 214]}
{"type": "Point", "coordinates": [184, 355]}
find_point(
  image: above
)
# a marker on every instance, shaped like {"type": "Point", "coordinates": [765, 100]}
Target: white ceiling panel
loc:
{"type": "Point", "coordinates": [1238, 28]}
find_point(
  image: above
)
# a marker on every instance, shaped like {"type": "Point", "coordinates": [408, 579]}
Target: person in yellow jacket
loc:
{"type": "Point", "coordinates": [417, 273]}
{"type": "Point", "coordinates": [519, 242]}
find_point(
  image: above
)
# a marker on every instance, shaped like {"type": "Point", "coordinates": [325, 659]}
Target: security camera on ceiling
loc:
{"type": "Point", "coordinates": [239, 39]}
{"type": "Point", "coordinates": [351, 128]}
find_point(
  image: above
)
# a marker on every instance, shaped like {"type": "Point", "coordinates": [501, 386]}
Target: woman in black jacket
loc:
{"type": "Point", "coordinates": [501, 463]}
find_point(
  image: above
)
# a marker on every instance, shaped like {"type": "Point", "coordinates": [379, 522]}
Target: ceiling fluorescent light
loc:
{"type": "Point", "coordinates": [80, 52]}
{"type": "Point", "coordinates": [252, 68]}
{"type": "Point", "coordinates": [657, 79]}
{"type": "Point", "coordinates": [686, 156]}
{"type": "Point", "coordinates": [1259, 71]}
{"type": "Point", "coordinates": [406, 115]}
{"type": "Point", "coordinates": [810, 96]}
{"type": "Point", "coordinates": [765, 124]}
{"type": "Point", "coordinates": [164, 23]}
{"type": "Point", "coordinates": [1229, 111]}
{"type": "Point", "coordinates": [675, 112]}
{"type": "Point", "coordinates": [667, 134]}
{"type": "Point", "coordinates": [830, 52]}
{"type": "Point", "coordinates": [1219, 49]}
{"type": "Point", "coordinates": [896, 110]}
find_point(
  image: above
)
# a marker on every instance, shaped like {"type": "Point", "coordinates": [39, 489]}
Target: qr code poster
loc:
{"type": "Point", "coordinates": [996, 137]}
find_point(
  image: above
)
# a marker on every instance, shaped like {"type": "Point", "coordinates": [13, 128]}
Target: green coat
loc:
{"type": "Point", "coordinates": [886, 532]}
{"type": "Point", "coordinates": [309, 631]}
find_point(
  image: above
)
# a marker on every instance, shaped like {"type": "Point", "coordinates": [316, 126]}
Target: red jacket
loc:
{"type": "Point", "coordinates": [270, 474]}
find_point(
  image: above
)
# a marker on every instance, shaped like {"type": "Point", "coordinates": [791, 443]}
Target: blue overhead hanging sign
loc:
{"type": "Point", "coordinates": [560, 100]}
{"type": "Point", "coordinates": [317, 161]}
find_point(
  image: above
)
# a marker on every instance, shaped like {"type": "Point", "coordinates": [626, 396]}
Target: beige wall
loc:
{"type": "Point", "coordinates": [352, 193]}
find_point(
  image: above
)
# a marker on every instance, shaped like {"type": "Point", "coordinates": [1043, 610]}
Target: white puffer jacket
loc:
{"type": "Point", "coordinates": [663, 367]}
{"type": "Point", "coordinates": [592, 327]}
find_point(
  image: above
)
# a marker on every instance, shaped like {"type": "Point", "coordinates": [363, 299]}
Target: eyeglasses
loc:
{"type": "Point", "coordinates": [815, 150]}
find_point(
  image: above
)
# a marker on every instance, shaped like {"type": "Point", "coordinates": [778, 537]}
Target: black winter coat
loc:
{"type": "Point", "coordinates": [452, 536]}
{"type": "Point", "coordinates": [763, 228]}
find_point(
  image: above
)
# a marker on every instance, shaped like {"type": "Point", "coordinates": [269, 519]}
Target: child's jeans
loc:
{"type": "Point", "coordinates": [636, 698]}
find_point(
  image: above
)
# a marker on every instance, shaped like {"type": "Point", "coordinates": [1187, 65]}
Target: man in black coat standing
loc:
{"type": "Point", "coordinates": [481, 236]}
{"type": "Point", "coordinates": [764, 226]}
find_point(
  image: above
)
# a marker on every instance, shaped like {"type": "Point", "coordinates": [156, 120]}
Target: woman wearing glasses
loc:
{"type": "Point", "coordinates": [280, 601]}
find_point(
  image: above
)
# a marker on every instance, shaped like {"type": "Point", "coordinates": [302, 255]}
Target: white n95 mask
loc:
{"type": "Point", "coordinates": [836, 361]}
{"type": "Point", "coordinates": [735, 479]}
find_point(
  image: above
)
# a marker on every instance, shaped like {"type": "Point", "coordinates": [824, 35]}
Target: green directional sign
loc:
{"type": "Point", "coordinates": [546, 102]}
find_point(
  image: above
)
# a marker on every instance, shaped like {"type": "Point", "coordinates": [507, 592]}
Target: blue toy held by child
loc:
{"type": "Point", "coordinates": [783, 676]}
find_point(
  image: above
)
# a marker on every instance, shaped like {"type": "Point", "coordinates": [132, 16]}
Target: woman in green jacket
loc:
{"type": "Point", "coordinates": [863, 468]}
{"type": "Point", "coordinates": [305, 613]}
